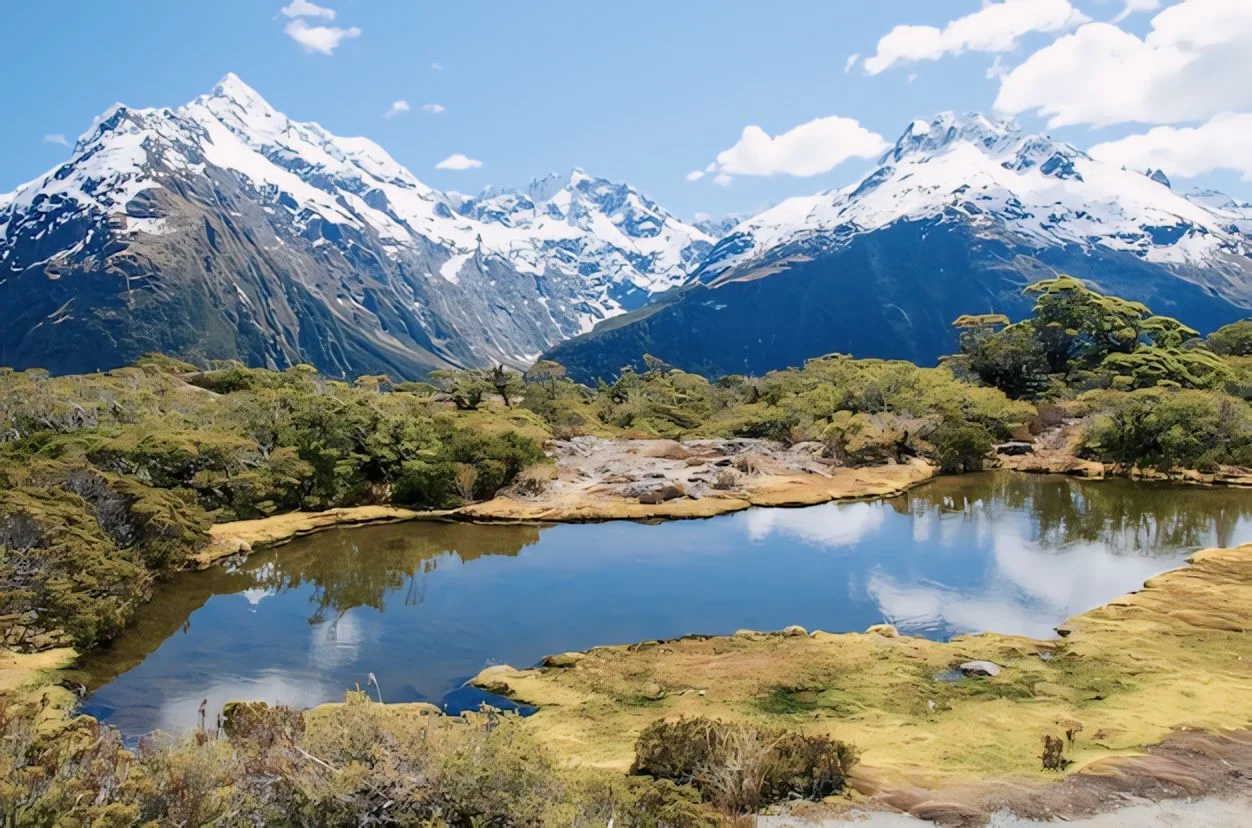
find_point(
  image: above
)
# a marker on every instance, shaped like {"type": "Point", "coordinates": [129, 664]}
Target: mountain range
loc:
{"type": "Point", "coordinates": [222, 229]}
{"type": "Point", "coordinates": [958, 217]}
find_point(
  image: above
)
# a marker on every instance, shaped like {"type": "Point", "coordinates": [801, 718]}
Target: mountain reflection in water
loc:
{"type": "Point", "coordinates": [425, 605]}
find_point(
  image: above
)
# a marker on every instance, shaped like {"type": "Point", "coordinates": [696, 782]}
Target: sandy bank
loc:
{"type": "Point", "coordinates": [595, 479]}
{"type": "Point", "coordinates": [240, 536]}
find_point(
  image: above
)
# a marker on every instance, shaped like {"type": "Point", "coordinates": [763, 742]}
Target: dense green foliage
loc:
{"type": "Point", "coordinates": [110, 480]}
{"type": "Point", "coordinates": [1158, 396]}
{"type": "Point", "coordinates": [1234, 339]}
{"type": "Point", "coordinates": [1167, 429]}
{"type": "Point", "coordinates": [1079, 338]}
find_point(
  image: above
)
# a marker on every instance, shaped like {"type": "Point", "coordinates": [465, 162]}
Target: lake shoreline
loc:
{"type": "Point", "coordinates": [590, 503]}
{"type": "Point", "coordinates": [601, 486]}
{"type": "Point", "coordinates": [1173, 659]}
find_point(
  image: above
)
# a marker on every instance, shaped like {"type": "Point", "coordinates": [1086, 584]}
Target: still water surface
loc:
{"type": "Point", "coordinates": [424, 606]}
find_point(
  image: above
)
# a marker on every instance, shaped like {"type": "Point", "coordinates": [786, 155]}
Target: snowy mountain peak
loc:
{"type": "Point", "coordinates": [1000, 180]}
{"type": "Point", "coordinates": [272, 213]}
{"type": "Point", "coordinates": [232, 88]}
{"type": "Point", "coordinates": [923, 137]}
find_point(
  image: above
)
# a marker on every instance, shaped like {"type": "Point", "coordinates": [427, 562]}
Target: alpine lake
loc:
{"type": "Point", "coordinates": [412, 610]}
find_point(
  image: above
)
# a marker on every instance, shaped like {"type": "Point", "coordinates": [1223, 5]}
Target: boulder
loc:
{"type": "Point", "coordinates": [662, 495]}
{"type": "Point", "coordinates": [563, 659]}
{"type": "Point", "coordinates": [653, 691]}
{"type": "Point", "coordinates": [885, 630]}
{"type": "Point", "coordinates": [794, 630]}
{"type": "Point", "coordinates": [980, 668]}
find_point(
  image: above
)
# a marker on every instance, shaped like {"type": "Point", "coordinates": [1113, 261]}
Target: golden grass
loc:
{"type": "Point", "coordinates": [1174, 655]}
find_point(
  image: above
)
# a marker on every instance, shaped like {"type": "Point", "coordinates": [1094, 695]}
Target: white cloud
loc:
{"type": "Point", "coordinates": [695, 175]}
{"type": "Point", "coordinates": [851, 62]}
{"type": "Point", "coordinates": [56, 138]}
{"type": "Point", "coordinates": [303, 8]}
{"type": "Point", "coordinates": [722, 180]}
{"type": "Point", "coordinates": [396, 108]}
{"type": "Point", "coordinates": [808, 149]}
{"type": "Point", "coordinates": [996, 27]}
{"type": "Point", "coordinates": [831, 525]}
{"type": "Point", "coordinates": [1137, 6]}
{"type": "Point", "coordinates": [457, 161]}
{"type": "Point", "coordinates": [433, 108]}
{"type": "Point", "coordinates": [323, 39]}
{"type": "Point", "coordinates": [437, 67]}
{"type": "Point", "coordinates": [1193, 64]}
{"type": "Point", "coordinates": [1223, 143]}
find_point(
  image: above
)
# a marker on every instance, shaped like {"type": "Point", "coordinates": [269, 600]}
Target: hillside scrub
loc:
{"type": "Point", "coordinates": [864, 410]}
{"type": "Point", "coordinates": [1080, 339]}
{"type": "Point", "coordinates": [355, 763]}
{"type": "Point", "coordinates": [110, 481]}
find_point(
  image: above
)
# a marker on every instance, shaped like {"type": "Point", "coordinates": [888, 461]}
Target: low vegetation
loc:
{"type": "Point", "coordinates": [740, 768]}
{"type": "Point", "coordinates": [350, 764]}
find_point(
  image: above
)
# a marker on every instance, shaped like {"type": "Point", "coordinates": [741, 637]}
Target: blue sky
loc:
{"type": "Point", "coordinates": [644, 92]}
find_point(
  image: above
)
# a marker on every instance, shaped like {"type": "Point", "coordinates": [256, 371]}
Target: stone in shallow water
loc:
{"type": "Point", "coordinates": [980, 668]}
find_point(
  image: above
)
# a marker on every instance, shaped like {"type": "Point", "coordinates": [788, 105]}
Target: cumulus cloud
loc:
{"type": "Point", "coordinates": [1135, 7]}
{"type": "Point", "coordinates": [396, 108]}
{"type": "Point", "coordinates": [996, 27]}
{"type": "Point", "coordinates": [850, 63]}
{"type": "Point", "coordinates": [433, 108]}
{"type": "Point", "coordinates": [1193, 64]}
{"type": "Point", "coordinates": [303, 8]}
{"type": "Point", "coordinates": [56, 138]}
{"type": "Point", "coordinates": [695, 175]}
{"type": "Point", "coordinates": [457, 161]}
{"type": "Point", "coordinates": [808, 149]}
{"type": "Point", "coordinates": [1223, 143]}
{"type": "Point", "coordinates": [722, 180]}
{"type": "Point", "coordinates": [321, 39]}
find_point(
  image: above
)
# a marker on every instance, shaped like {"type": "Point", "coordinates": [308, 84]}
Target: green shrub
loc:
{"type": "Point", "coordinates": [1170, 428]}
{"type": "Point", "coordinates": [961, 447]}
{"type": "Point", "coordinates": [741, 768]}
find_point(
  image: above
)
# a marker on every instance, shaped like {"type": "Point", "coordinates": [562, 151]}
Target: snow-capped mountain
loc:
{"type": "Point", "coordinates": [994, 177]}
{"type": "Point", "coordinates": [224, 229]}
{"type": "Point", "coordinates": [626, 241]}
{"type": "Point", "coordinates": [957, 217]}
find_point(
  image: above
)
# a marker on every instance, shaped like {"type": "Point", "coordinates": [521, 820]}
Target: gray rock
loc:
{"type": "Point", "coordinates": [980, 668]}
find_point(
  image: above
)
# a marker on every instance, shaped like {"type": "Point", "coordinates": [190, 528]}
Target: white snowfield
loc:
{"type": "Point", "coordinates": [998, 177]}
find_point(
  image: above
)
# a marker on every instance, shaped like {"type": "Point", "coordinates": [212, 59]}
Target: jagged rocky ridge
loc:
{"type": "Point", "coordinates": [223, 229]}
{"type": "Point", "coordinates": [957, 218]}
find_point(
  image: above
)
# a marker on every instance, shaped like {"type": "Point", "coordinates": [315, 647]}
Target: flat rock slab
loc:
{"type": "Point", "coordinates": [980, 668]}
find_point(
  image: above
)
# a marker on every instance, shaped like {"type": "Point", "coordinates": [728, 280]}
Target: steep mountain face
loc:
{"type": "Point", "coordinates": [958, 217]}
{"type": "Point", "coordinates": [223, 229]}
